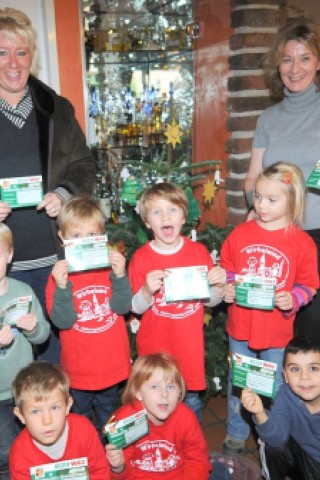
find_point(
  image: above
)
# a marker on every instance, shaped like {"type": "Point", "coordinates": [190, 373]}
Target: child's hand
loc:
{"type": "Point", "coordinates": [118, 263]}
{"type": "Point", "coordinates": [217, 276]}
{"type": "Point", "coordinates": [60, 273]}
{"type": "Point", "coordinates": [115, 457]}
{"type": "Point", "coordinates": [230, 293]}
{"type": "Point", "coordinates": [6, 336]}
{"type": "Point", "coordinates": [283, 300]}
{"type": "Point", "coordinates": [154, 281]}
{"type": "Point", "coordinates": [27, 322]}
{"type": "Point", "coordinates": [253, 403]}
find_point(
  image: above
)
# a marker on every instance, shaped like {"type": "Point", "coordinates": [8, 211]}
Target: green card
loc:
{"type": "Point", "coordinates": [76, 469]}
{"type": "Point", "coordinates": [257, 374]}
{"type": "Point", "coordinates": [15, 309]}
{"type": "Point", "coordinates": [314, 179]}
{"type": "Point", "coordinates": [255, 292]}
{"type": "Point", "coordinates": [87, 253]}
{"type": "Point", "coordinates": [21, 192]}
{"type": "Point", "coordinates": [126, 431]}
{"type": "Point", "coordinates": [186, 283]}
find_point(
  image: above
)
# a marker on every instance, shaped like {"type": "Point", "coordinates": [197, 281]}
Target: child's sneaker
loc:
{"type": "Point", "coordinates": [234, 445]}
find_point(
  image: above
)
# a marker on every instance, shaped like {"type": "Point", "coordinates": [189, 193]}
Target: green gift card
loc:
{"type": "Point", "coordinates": [76, 469]}
{"type": "Point", "coordinates": [255, 292]}
{"type": "Point", "coordinates": [186, 283]}
{"type": "Point", "coordinates": [87, 253]}
{"type": "Point", "coordinates": [15, 309]}
{"type": "Point", "coordinates": [126, 431]}
{"type": "Point", "coordinates": [257, 374]}
{"type": "Point", "coordinates": [21, 192]}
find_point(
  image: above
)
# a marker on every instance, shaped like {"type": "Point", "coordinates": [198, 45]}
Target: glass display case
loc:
{"type": "Point", "coordinates": [139, 81]}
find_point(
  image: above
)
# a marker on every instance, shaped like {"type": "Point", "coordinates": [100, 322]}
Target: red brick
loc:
{"type": "Point", "coordinates": [235, 218]}
{"type": "Point", "coordinates": [255, 17]}
{"type": "Point", "coordinates": [246, 61]}
{"type": "Point", "coordinates": [241, 124]}
{"type": "Point", "coordinates": [250, 82]}
{"type": "Point", "coordinates": [238, 145]}
{"type": "Point", "coordinates": [235, 184]}
{"type": "Point", "coordinates": [236, 201]}
{"type": "Point", "coordinates": [237, 165]}
{"type": "Point", "coordinates": [235, 3]}
{"type": "Point", "coordinates": [247, 104]}
{"type": "Point", "coordinates": [252, 39]}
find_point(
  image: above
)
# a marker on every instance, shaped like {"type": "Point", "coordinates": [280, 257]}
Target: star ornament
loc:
{"type": "Point", "coordinates": [173, 133]}
{"type": "Point", "coordinates": [209, 191]}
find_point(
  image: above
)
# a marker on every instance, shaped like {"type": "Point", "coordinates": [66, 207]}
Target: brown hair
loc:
{"type": "Point", "coordinates": [144, 367]}
{"type": "Point", "coordinates": [78, 209]}
{"type": "Point", "coordinates": [302, 30]}
{"type": "Point", "coordinates": [39, 379]}
{"type": "Point", "coordinates": [14, 22]}
{"type": "Point", "coordinates": [293, 182]}
{"type": "Point", "coordinates": [166, 191]}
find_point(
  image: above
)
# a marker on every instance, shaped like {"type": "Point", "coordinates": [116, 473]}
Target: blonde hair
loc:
{"type": "Point", "coordinates": [39, 379]}
{"type": "Point", "coordinates": [166, 191]}
{"type": "Point", "coordinates": [14, 22]}
{"type": "Point", "coordinates": [291, 177]}
{"type": "Point", "coordinates": [6, 236]}
{"type": "Point", "coordinates": [144, 367]}
{"type": "Point", "coordinates": [302, 30]}
{"type": "Point", "coordinates": [79, 209]}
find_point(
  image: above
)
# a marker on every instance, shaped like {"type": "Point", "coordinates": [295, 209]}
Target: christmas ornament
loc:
{"type": "Point", "coordinates": [209, 191]}
{"type": "Point", "coordinates": [130, 190]}
{"type": "Point", "coordinates": [173, 133]}
{"type": "Point", "coordinates": [194, 211]}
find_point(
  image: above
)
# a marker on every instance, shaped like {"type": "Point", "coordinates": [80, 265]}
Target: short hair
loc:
{"type": "Point", "coordinates": [144, 367]}
{"type": "Point", "coordinates": [6, 236]}
{"type": "Point", "coordinates": [291, 178]}
{"type": "Point", "coordinates": [167, 191]}
{"type": "Point", "coordinates": [302, 30]}
{"type": "Point", "coordinates": [39, 379]}
{"type": "Point", "coordinates": [15, 22]}
{"type": "Point", "coordinates": [301, 344]}
{"type": "Point", "coordinates": [79, 209]}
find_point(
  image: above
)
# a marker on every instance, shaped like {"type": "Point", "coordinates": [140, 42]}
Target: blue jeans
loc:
{"type": "Point", "coordinates": [37, 279]}
{"type": "Point", "coordinates": [192, 399]}
{"type": "Point", "coordinates": [9, 429]}
{"type": "Point", "coordinates": [237, 427]}
{"type": "Point", "coordinates": [96, 405]}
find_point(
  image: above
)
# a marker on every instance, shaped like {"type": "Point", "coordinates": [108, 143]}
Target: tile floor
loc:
{"type": "Point", "coordinates": [214, 429]}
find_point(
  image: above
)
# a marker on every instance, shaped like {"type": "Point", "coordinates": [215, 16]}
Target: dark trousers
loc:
{"type": "Point", "coordinates": [96, 405]}
{"type": "Point", "coordinates": [37, 279]}
{"type": "Point", "coordinates": [307, 322]}
{"type": "Point", "coordinates": [289, 461]}
{"type": "Point", "coordinates": [9, 429]}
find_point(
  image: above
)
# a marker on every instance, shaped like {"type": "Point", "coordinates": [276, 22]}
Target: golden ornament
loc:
{"type": "Point", "coordinates": [173, 133]}
{"type": "Point", "coordinates": [209, 192]}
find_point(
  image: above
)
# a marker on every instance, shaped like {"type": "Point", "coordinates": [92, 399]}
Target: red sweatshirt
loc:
{"type": "Point", "coordinates": [83, 441]}
{"type": "Point", "coordinates": [175, 450]}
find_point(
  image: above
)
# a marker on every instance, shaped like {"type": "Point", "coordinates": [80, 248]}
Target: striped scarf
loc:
{"type": "Point", "coordinates": [18, 114]}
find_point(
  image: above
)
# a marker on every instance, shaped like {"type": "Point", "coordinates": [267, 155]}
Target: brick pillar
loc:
{"type": "Point", "coordinates": [255, 24]}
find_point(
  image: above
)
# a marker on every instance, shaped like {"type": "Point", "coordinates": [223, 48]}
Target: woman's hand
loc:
{"type": "Point", "coordinates": [52, 204]}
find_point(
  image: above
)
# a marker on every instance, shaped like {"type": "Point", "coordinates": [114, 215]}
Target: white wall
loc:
{"type": "Point", "coordinates": [41, 13]}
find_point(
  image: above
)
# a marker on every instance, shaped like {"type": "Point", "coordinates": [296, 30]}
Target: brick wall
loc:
{"type": "Point", "coordinates": [254, 23]}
